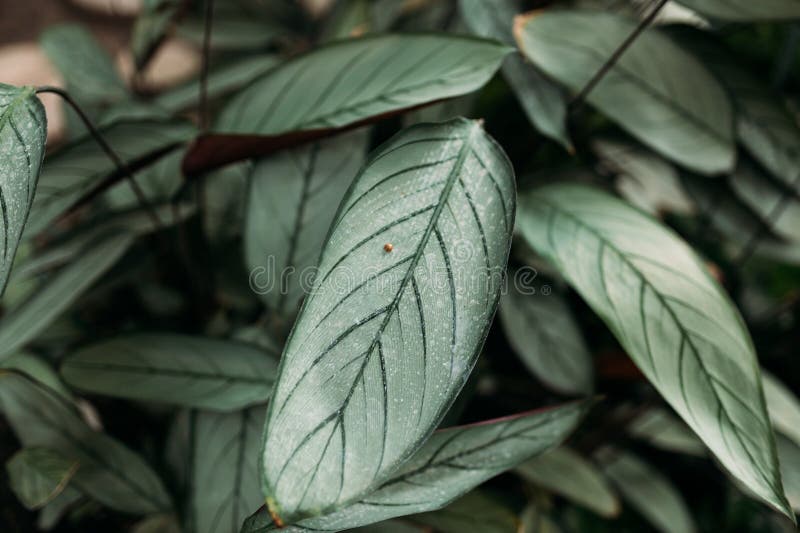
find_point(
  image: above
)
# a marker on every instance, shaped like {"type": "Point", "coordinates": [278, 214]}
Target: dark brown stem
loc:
{"type": "Point", "coordinates": [579, 98]}
{"type": "Point", "coordinates": [122, 167]}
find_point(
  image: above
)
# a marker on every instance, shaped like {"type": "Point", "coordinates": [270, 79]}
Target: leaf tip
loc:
{"type": "Point", "coordinates": [520, 21]}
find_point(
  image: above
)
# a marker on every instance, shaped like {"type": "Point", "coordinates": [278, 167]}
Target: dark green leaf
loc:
{"type": "Point", "coordinates": [37, 475]}
{"type": "Point", "coordinates": [746, 10]}
{"type": "Point", "coordinates": [473, 512]}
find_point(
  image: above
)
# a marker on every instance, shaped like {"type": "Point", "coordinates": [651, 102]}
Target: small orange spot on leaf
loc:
{"type": "Point", "coordinates": [388, 247]}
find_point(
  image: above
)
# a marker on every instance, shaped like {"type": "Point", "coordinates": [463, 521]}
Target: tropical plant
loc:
{"type": "Point", "coordinates": [265, 299]}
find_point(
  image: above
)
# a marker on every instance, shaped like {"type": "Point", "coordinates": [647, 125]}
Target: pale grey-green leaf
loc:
{"type": "Point", "coordinates": [108, 471]}
{"type": "Point", "coordinates": [663, 430]}
{"type": "Point", "coordinates": [355, 79]}
{"type": "Point", "coordinates": [543, 101]}
{"type": "Point", "coordinates": [763, 197]}
{"type": "Point", "coordinates": [225, 487]}
{"type": "Point", "coordinates": [183, 370]}
{"type": "Point", "coordinates": [670, 316]}
{"type": "Point", "coordinates": [542, 331]}
{"type": "Point", "coordinates": [450, 464]}
{"type": "Point", "coordinates": [657, 91]}
{"type": "Point", "coordinates": [37, 475]}
{"type": "Point", "coordinates": [23, 131]}
{"type": "Point", "coordinates": [649, 492]}
{"type": "Point", "coordinates": [783, 406]}
{"type": "Point", "coordinates": [25, 322]}
{"type": "Point", "coordinates": [407, 286]}
{"type": "Point", "coordinates": [789, 453]}
{"type": "Point", "coordinates": [746, 10]}
{"type": "Point", "coordinates": [568, 474]}
{"type": "Point", "coordinates": [291, 203]}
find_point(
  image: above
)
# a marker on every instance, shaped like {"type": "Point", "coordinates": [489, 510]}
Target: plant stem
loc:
{"type": "Point", "coordinates": [579, 98]}
{"type": "Point", "coordinates": [122, 167]}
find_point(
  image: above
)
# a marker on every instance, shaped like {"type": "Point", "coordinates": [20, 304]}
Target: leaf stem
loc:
{"type": "Point", "coordinates": [604, 69]}
{"type": "Point", "coordinates": [122, 167]}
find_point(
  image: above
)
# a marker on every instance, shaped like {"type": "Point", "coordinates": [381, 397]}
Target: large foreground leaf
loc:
{"type": "Point", "coordinates": [108, 471]}
{"type": "Point", "coordinates": [292, 201]}
{"type": "Point", "coordinates": [23, 131]}
{"type": "Point", "coordinates": [676, 323]}
{"type": "Point", "coordinates": [175, 369]}
{"type": "Point", "coordinates": [37, 475]}
{"type": "Point", "coordinates": [656, 91]}
{"type": "Point", "coordinates": [407, 286]}
{"type": "Point", "coordinates": [344, 84]}
{"type": "Point", "coordinates": [26, 321]}
{"type": "Point", "coordinates": [449, 465]}
{"type": "Point", "coordinates": [745, 10]}
{"type": "Point", "coordinates": [225, 487]}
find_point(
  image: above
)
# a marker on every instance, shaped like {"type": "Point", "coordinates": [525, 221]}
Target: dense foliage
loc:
{"type": "Point", "coordinates": [265, 299]}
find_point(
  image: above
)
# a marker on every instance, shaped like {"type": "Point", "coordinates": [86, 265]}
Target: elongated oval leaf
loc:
{"type": "Point", "coordinates": [225, 485]}
{"type": "Point", "coordinates": [568, 474]}
{"type": "Point", "coordinates": [37, 475]}
{"type": "Point", "coordinates": [543, 333]}
{"type": "Point", "coordinates": [676, 323]}
{"type": "Point", "coordinates": [450, 464]}
{"type": "Point", "coordinates": [108, 471]}
{"type": "Point", "coordinates": [744, 10]}
{"type": "Point", "coordinates": [290, 206]}
{"type": "Point", "coordinates": [26, 321]}
{"type": "Point", "coordinates": [667, 432]}
{"type": "Point", "coordinates": [23, 132]}
{"type": "Point", "coordinates": [784, 407]}
{"type": "Point", "coordinates": [473, 512]}
{"type": "Point", "coordinates": [789, 453]}
{"type": "Point", "coordinates": [649, 492]}
{"type": "Point", "coordinates": [352, 80]}
{"type": "Point", "coordinates": [407, 285]}
{"type": "Point", "coordinates": [656, 91]}
{"type": "Point", "coordinates": [175, 369]}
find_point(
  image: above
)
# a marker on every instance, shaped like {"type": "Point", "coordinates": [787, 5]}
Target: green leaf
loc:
{"type": "Point", "coordinates": [450, 464]}
{"type": "Point", "coordinates": [746, 10]}
{"type": "Point", "coordinates": [225, 485]}
{"type": "Point", "coordinates": [389, 334]}
{"type": "Point", "coordinates": [544, 334]}
{"type": "Point", "coordinates": [52, 513]}
{"type": "Point", "coordinates": [25, 322]}
{"type": "Point", "coordinates": [543, 101]}
{"type": "Point", "coordinates": [23, 132]}
{"type": "Point", "coordinates": [674, 321]}
{"type": "Point", "coordinates": [290, 206]}
{"type": "Point", "coordinates": [789, 452]}
{"type": "Point", "coordinates": [37, 475]}
{"type": "Point", "coordinates": [108, 471]}
{"type": "Point", "coordinates": [656, 91]}
{"type": "Point", "coordinates": [151, 28]}
{"type": "Point", "coordinates": [661, 429]}
{"type": "Point", "coordinates": [86, 67]}
{"type": "Point", "coordinates": [407, 286]}
{"type": "Point", "coordinates": [175, 369]}
{"type": "Point", "coordinates": [783, 406]}
{"type": "Point", "coordinates": [349, 81]}
{"type": "Point", "coordinates": [37, 369]}
{"type": "Point", "coordinates": [77, 169]}
{"type": "Point", "coordinates": [568, 474]}
{"type": "Point", "coordinates": [763, 196]}
{"type": "Point", "coordinates": [649, 492]}
{"type": "Point", "coordinates": [161, 523]}
{"type": "Point", "coordinates": [473, 512]}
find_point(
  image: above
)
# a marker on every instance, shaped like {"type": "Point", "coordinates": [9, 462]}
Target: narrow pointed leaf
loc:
{"type": "Point", "coordinates": [25, 322]}
{"type": "Point", "coordinates": [180, 370]}
{"type": "Point", "coordinates": [108, 471]}
{"type": "Point", "coordinates": [543, 101]}
{"type": "Point", "coordinates": [671, 317]}
{"type": "Point", "coordinates": [407, 286]}
{"type": "Point", "coordinates": [784, 407]}
{"type": "Point", "coordinates": [543, 333]}
{"type": "Point", "coordinates": [450, 464]}
{"type": "Point", "coordinates": [37, 475]}
{"type": "Point", "coordinates": [763, 196]}
{"type": "Point", "coordinates": [665, 431]}
{"type": "Point", "coordinates": [343, 85]}
{"type": "Point", "coordinates": [649, 492]}
{"type": "Point", "coordinates": [225, 485]}
{"type": "Point", "coordinates": [23, 131]}
{"type": "Point", "coordinates": [568, 474]}
{"type": "Point", "coordinates": [290, 206]}
{"type": "Point", "coordinates": [746, 10]}
{"type": "Point", "coordinates": [789, 453]}
{"type": "Point", "coordinates": [656, 91]}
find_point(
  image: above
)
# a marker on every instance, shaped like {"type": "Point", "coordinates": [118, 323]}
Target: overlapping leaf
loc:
{"type": "Point", "coordinates": [108, 471]}
{"type": "Point", "coordinates": [407, 285]}
{"type": "Point", "coordinates": [290, 206]}
{"type": "Point", "coordinates": [174, 369]}
{"type": "Point", "coordinates": [225, 486]}
{"type": "Point", "coordinates": [23, 131]}
{"type": "Point", "coordinates": [656, 91]}
{"type": "Point", "coordinates": [475, 511]}
{"type": "Point", "coordinates": [450, 464]}
{"type": "Point", "coordinates": [543, 333]}
{"type": "Point", "coordinates": [784, 407]}
{"type": "Point", "coordinates": [746, 10]}
{"type": "Point", "coordinates": [670, 316]}
{"type": "Point", "coordinates": [37, 475]}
